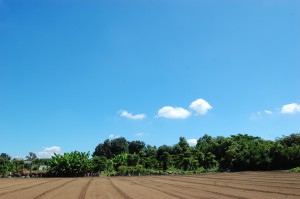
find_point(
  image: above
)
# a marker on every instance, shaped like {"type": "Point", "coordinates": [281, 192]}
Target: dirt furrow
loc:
{"type": "Point", "coordinates": [244, 182]}
{"type": "Point", "coordinates": [238, 187]}
{"type": "Point", "coordinates": [187, 191]}
{"type": "Point", "coordinates": [274, 174]}
{"type": "Point", "coordinates": [69, 191]}
{"type": "Point", "coordinates": [102, 188]}
{"type": "Point", "coordinates": [267, 179]}
{"type": "Point", "coordinates": [118, 189]}
{"type": "Point", "coordinates": [53, 189]}
{"type": "Point", "coordinates": [239, 192]}
{"type": "Point", "coordinates": [29, 187]}
{"type": "Point", "coordinates": [161, 189]}
{"type": "Point", "coordinates": [84, 189]}
{"type": "Point", "coordinates": [155, 189]}
{"type": "Point", "coordinates": [253, 185]}
{"type": "Point", "coordinates": [25, 182]}
{"type": "Point", "coordinates": [248, 180]}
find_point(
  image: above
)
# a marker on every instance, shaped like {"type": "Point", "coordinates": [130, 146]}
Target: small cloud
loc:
{"type": "Point", "coordinates": [173, 112]}
{"type": "Point", "coordinates": [128, 115]}
{"type": "Point", "coordinates": [260, 114]}
{"type": "Point", "coordinates": [192, 142]}
{"type": "Point", "coordinates": [256, 115]}
{"type": "Point", "coordinates": [48, 152]}
{"type": "Point", "coordinates": [140, 134]}
{"type": "Point", "coordinates": [112, 136]}
{"type": "Point", "coordinates": [290, 108]}
{"type": "Point", "coordinates": [200, 106]}
{"type": "Point", "coordinates": [268, 112]}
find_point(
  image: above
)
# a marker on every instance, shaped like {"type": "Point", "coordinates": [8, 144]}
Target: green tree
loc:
{"type": "Point", "coordinates": [136, 146]}
{"type": "Point", "coordinates": [31, 156]}
{"type": "Point", "coordinates": [5, 164]}
{"type": "Point", "coordinates": [150, 151]}
{"type": "Point", "coordinates": [5, 156]}
{"type": "Point", "coordinates": [205, 143]}
{"type": "Point", "coordinates": [151, 162]}
{"type": "Point", "coordinates": [133, 159]}
{"type": "Point", "coordinates": [103, 149]}
{"type": "Point", "coordinates": [182, 156]}
{"type": "Point", "coordinates": [119, 145]}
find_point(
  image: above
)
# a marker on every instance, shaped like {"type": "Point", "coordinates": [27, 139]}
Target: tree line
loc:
{"type": "Point", "coordinates": [240, 152]}
{"type": "Point", "coordinates": [235, 153]}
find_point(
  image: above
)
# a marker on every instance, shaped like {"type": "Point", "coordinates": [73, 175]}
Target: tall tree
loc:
{"type": "Point", "coordinates": [136, 146]}
{"type": "Point", "coordinates": [103, 149]}
{"type": "Point", "coordinates": [31, 156]}
{"type": "Point", "coordinates": [119, 145]}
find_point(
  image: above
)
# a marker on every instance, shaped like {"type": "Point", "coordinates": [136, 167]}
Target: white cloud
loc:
{"type": "Point", "coordinates": [290, 108]}
{"type": "Point", "coordinates": [200, 106]}
{"type": "Point", "coordinates": [140, 134]}
{"type": "Point", "coordinates": [268, 112]}
{"type": "Point", "coordinates": [192, 142]}
{"type": "Point", "coordinates": [128, 115]}
{"type": "Point", "coordinates": [256, 115]}
{"type": "Point", "coordinates": [260, 114]}
{"type": "Point", "coordinates": [48, 152]}
{"type": "Point", "coordinates": [173, 112]}
{"type": "Point", "coordinates": [113, 136]}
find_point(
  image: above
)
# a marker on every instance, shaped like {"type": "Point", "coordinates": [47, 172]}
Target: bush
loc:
{"type": "Point", "coordinates": [72, 164]}
{"type": "Point", "coordinates": [296, 169]}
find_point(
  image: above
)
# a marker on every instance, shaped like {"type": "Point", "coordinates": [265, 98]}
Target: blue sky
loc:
{"type": "Point", "coordinates": [74, 73]}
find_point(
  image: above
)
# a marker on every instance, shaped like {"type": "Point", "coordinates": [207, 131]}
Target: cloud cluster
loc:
{"type": "Point", "coordinates": [200, 106]}
{"type": "Point", "coordinates": [260, 114]}
{"type": "Point", "coordinates": [173, 112]}
{"type": "Point", "coordinates": [290, 108]}
{"type": "Point", "coordinates": [48, 152]}
{"type": "Point", "coordinates": [192, 142]}
{"type": "Point", "coordinates": [128, 115]}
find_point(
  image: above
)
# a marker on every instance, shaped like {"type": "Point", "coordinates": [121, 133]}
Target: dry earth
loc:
{"type": "Point", "coordinates": [223, 185]}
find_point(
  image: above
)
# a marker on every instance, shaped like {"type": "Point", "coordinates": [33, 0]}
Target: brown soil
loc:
{"type": "Point", "coordinates": [222, 185]}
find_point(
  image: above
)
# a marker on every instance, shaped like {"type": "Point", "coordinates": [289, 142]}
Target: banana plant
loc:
{"type": "Point", "coordinates": [120, 160]}
{"type": "Point", "coordinates": [72, 164]}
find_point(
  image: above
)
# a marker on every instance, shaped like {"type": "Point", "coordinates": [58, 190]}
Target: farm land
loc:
{"type": "Point", "coordinates": [254, 185]}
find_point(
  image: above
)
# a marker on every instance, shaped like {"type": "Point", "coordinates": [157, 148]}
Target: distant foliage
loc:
{"type": "Point", "coordinates": [235, 153]}
{"type": "Point", "coordinates": [5, 164]}
{"type": "Point", "coordinates": [240, 152]}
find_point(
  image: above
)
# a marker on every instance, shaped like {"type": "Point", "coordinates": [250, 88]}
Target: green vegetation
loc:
{"type": "Point", "coordinates": [121, 157]}
{"type": "Point", "coordinates": [5, 164]}
{"type": "Point", "coordinates": [18, 167]}
{"type": "Point", "coordinates": [296, 169]}
{"type": "Point", "coordinates": [74, 164]}
{"type": "Point", "coordinates": [235, 153]}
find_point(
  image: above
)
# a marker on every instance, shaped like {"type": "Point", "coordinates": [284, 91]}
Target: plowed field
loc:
{"type": "Point", "coordinates": [223, 185]}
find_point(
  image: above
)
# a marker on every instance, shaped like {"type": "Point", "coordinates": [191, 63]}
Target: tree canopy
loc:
{"type": "Point", "coordinates": [239, 152]}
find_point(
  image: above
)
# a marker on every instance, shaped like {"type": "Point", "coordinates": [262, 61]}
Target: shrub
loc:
{"type": "Point", "coordinates": [296, 169]}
